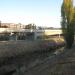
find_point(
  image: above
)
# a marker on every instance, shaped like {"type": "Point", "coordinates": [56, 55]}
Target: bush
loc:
{"type": "Point", "coordinates": [4, 37]}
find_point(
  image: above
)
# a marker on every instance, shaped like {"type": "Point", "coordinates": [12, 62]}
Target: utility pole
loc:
{"type": "Point", "coordinates": [0, 23]}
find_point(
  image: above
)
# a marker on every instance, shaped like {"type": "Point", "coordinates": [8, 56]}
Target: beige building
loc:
{"type": "Point", "coordinates": [12, 25]}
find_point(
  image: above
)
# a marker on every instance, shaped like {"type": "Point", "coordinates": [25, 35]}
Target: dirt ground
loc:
{"type": "Point", "coordinates": [61, 64]}
{"type": "Point", "coordinates": [17, 58]}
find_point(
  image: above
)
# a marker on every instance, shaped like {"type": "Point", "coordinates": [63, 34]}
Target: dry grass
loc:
{"type": "Point", "coordinates": [12, 48]}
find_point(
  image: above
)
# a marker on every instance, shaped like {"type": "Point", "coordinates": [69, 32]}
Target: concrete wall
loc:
{"type": "Point", "coordinates": [52, 32]}
{"type": "Point", "coordinates": [36, 32]}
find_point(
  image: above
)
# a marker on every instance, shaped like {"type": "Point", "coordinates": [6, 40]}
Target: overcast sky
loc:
{"type": "Point", "coordinates": [40, 12]}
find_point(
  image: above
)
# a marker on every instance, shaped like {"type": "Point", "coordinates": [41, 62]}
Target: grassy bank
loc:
{"type": "Point", "coordinates": [12, 48]}
{"type": "Point", "coordinates": [19, 52]}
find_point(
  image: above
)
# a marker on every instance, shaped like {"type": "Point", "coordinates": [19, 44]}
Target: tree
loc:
{"type": "Point", "coordinates": [30, 26]}
{"type": "Point", "coordinates": [73, 19]}
{"type": "Point", "coordinates": [63, 22]}
{"type": "Point", "coordinates": [67, 22]}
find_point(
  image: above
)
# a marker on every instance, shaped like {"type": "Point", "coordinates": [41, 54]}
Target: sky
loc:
{"type": "Point", "coordinates": [40, 12]}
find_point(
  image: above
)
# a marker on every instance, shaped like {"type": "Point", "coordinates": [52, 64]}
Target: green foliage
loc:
{"type": "Point", "coordinates": [63, 22]}
{"type": "Point", "coordinates": [67, 24]}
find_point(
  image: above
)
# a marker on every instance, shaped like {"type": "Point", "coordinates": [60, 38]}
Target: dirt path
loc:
{"type": "Point", "coordinates": [62, 64]}
{"type": "Point", "coordinates": [23, 64]}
